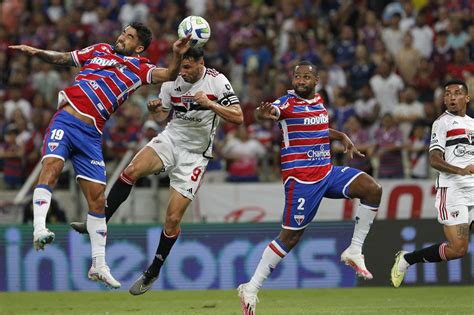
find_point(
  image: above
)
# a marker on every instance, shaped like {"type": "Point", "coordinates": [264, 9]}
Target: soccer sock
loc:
{"type": "Point", "coordinates": [41, 201]}
{"type": "Point", "coordinates": [435, 253]}
{"type": "Point", "coordinates": [164, 248]}
{"type": "Point", "coordinates": [364, 218]}
{"type": "Point", "coordinates": [97, 229]}
{"type": "Point", "coordinates": [271, 257]}
{"type": "Point", "coordinates": [118, 194]}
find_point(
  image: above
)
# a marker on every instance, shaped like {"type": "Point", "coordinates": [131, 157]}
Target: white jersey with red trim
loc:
{"type": "Point", "coordinates": [192, 127]}
{"type": "Point", "coordinates": [454, 136]}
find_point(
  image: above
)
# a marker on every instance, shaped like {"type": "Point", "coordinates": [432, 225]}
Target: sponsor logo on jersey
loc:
{"type": "Point", "coordinates": [103, 62]}
{"type": "Point", "coordinates": [40, 202]}
{"type": "Point", "coordinates": [183, 116]}
{"type": "Point", "coordinates": [316, 120]}
{"type": "Point", "coordinates": [320, 154]}
{"type": "Point", "coordinates": [53, 146]}
{"type": "Point", "coordinates": [461, 150]}
{"type": "Point", "coordinates": [98, 163]}
{"type": "Point", "coordinates": [299, 218]}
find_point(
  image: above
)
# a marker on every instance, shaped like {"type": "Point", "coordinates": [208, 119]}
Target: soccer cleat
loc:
{"type": "Point", "coordinates": [357, 263]}
{"type": "Point", "coordinates": [42, 238]}
{"type": "Point", "coordinates": [142, 284]}
{"type": "Point", "coordinates": [80, 227]}
{"type": "Point", "coordinates": [396, 276]}
{"type": "Point", "coordinates": [103, 275]}
{"type": "Point", "coordinates": [248, 300]}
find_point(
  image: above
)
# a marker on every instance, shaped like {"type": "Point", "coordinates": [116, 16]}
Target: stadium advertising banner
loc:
{"type": "Point", "coordinates": [220, 256]}
{"type": "Point", "coordinates": [261, 202]}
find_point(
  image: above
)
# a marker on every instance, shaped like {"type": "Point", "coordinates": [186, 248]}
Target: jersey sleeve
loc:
{"type": "Point", "coordinates": [438, 136]}
{"type": "Point", "coordinates": [146, 72]}
{"type": "Point", "coordinates": [165, 95]}
{"type": "Point", "coordinates": [281, 106]}
{"type": "Point", "coordinates": [224, 92]}
{"type": "Point", "coordinates": [82, 55]}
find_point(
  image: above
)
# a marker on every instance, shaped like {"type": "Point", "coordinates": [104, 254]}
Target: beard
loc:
{"type": "Point", "coordinates": [304, 92]}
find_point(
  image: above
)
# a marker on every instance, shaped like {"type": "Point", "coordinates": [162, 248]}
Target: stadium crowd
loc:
{"type": "Point", "coordinates": [381, 66]}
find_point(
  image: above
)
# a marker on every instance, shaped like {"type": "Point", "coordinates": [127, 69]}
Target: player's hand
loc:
{"type": "Point", "coordinates": [182, 45]}
{"type": "Point", "coordinates": [202, 99]}
{"type": "Point", "coordinates": [468, 170]}
{"type": "Point", "coordinates": [350, 148]}
{"type": "Point", "coordinates": [266, 111]}
{"type": "Point", "coordinates": [25, 48]}
{"type": "Point", "coordinates": [155, 106]}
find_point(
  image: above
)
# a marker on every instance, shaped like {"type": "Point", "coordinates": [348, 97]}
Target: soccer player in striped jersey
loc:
{"type": "Point", "coordinates": [452, 155]}
{"type": "Point", "coordinates": [200, 97]}
{"type": "Point", "coordinates": [309, 176]}
{"type": "Point", "coordinates": [109, 75]}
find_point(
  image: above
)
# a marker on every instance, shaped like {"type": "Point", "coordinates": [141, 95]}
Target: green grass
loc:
{"type": "Point", "coordinates": [420, 300]}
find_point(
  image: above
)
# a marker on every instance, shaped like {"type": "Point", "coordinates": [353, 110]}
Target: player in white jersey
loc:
{"type": "Point", "coordinates": [199, 97]}
{"type": "Point", "coordinates": [452, 154]}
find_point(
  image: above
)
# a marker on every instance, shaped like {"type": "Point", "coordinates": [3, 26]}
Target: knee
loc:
{"type": "Point", "coordinates": [172, 223]}
{"type": "Point", "coordinates": [97, 202]}
{"type": "Point", "coordinates": [133, 172]}
{"type": "Point", "coordinates": [290, 240]}
{"type": "Point", "coordinates": [459, 250]}
{"type": "Point", "coordinates": [373, 192]}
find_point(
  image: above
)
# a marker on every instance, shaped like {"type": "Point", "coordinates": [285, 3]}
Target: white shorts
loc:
{"type": "Point", "coordinates": [455, 205]}
{"type": "Point", "coordinates": [185, 169]}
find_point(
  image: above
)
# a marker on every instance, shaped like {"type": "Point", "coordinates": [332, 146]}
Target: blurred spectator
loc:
{"type": "Point", "coordinates": [343, 109]}
{"type": "Point", "coordinates": [470, 43]}
{"type": "Point", "coordinates": [46, 82]}
{"type": "Point", "coordinates": [337, 76]}
{"type": "Point", "coordinates": [344, 48]}
{"type": "Point", "coordinates": [426, 81]}
{"type": "Point", "coordinates": [16, 101]}
{"type": "Point", "coordinates": [370, 32]}
{"type": "Point", "coordinates": [361, 70]}
{"type": "Point", "coordinates": [442, 24]}
{"type": "Point", "coordinates": [12, 155]}
{"type": "Point", "coordinates": [460, 68]}
{"type": "Point", "coordinates": [392, 36]}
{"type": "Point", "coordinates": [408, 59]}
{"type": "Point", "coordinates": [442, 54]}
{"type": "Point", "coordinates": [389, 142]}
{"type": "Point", "coordinates": [120, 138]}
{"type": "Point", "coordinates": [422, 36]}
{"type": "Point", "coordinates": [132, 11]}
{"type": "Point", "coordinates": [417, 148]}
{"type": "Point", "coordinates": [55, 10]}
{"type": "Point", "coordinates": [242, 155]}
{"type": "Point", "coordinates": [386, 85]}
{"type": "Point", "coordinates": [457, 38]}
{"type": "Point", "coordinates": [408, 110]}
{"type": "Point", "coordinates": [366, 107]}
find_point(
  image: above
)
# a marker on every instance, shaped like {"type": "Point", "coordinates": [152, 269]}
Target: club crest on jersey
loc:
{"type": "Point", "coordinates": [470, 135]}
{"type": "Point", "coordinates": [40, 202]}
{"type": "Point", "coordinates": [299, 218]}
{"type": "Point", "coordinates": [455, 213]}
{"type": "Point", "coordinates": [53, 146]}
{"type": "Point", "coordinates": [187, 101]}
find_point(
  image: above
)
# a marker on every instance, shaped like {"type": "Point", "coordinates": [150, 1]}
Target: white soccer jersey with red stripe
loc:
{"type": "Point", "coordinates": [105, 81]}
{"type": "Point", "coordinates": [305, 148]}
{"type": "Point", "coordinates": [193, 127]}
{"type": "Point", "coordinates": [454, 136]}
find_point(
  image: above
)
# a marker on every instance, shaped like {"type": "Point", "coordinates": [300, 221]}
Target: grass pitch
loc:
{"type": "Point", "coordinates": [410, 300]}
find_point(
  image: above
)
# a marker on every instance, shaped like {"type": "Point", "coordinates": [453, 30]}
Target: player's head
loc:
{"type": "Point", "coordinates": [192, 65]}
{"type": "Point", "coordinates": [456, 97]}
{"type": "Point", "coordinates": [305, 78]}
{"type": "Point", "coordinates": [134, 39]}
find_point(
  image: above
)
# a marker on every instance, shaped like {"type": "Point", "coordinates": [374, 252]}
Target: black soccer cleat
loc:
{"type": "Point", "coordinates": [80, 227]}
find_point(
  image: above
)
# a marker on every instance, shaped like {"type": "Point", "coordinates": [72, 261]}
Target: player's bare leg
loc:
{"type": "Point", "coordinates": [145, 162]}
{"type": "Point", "coordinates": [369, 192]}
{"type": "Point", "coordinates": [97, 228]}
{"type": "Point", "coordinates": [174, 214]}
{"type": "Point", "coordinates": [48, 179]}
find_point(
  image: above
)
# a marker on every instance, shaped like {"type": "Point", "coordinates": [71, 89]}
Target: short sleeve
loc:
{"type": "Point", "coordinates": [438, 136]}
{"type": "Point", "coordinates": [165, 95]}
{"type": "Point", "coordinates": [281, 106]}
{"type": "Point", "coordinates": [82, 55]}
{"type": "Point", "coordinates": [146, 72]}
{"type": "Point", "coordinates": [224, 91]}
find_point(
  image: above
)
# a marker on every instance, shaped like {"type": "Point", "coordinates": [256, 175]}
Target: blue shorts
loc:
{"type": "Point", "coordinates": [70, 138]}
{"type": "Point", "coordinates": [302, 200]}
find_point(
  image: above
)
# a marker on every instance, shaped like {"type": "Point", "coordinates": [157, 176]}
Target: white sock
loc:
{"type": "Point", "coordinates": [41, 201]}
{"type": "Point", "coordinates": [271, 257]}
{"type": "Point", "coordinates": [364, 218]}
{"type": "Point", "coordinates": [97, 229]}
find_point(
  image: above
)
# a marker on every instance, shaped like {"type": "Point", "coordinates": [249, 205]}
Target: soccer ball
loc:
{"type": "Point", "coordinates": [198, 28]}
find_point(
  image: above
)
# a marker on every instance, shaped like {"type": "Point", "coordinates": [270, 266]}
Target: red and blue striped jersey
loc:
{"type": "Point", "coordinates": [105, 81]}
{"type": "Point", "coordinates": [305, 147]}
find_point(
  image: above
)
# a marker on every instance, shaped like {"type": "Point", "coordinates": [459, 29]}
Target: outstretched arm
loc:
{"type": "Point", "coordinates": [349, 147]}
{"type": "Point", "coordinates": [160, 75]}
{"type": "Point", "coordinates": [266, 111]}
{"type": "Point", "coordinates": [50, 56]}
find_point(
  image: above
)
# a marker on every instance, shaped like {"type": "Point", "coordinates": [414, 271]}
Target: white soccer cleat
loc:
{"type": "Point", "coordinates": [42, 238]}
{"type": "Point", "coordinates": [248, 300]}
{"type": "Point", "coordinates": [357, 263]}
{"type": "Point", "coordinates": [103, 275]}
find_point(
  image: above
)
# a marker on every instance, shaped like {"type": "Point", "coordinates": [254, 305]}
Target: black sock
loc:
{"type": "Point", "coordinates": [118, 194]}
{"type": "Point", "coordinates": [429, 254]}
{"type": "Point", "coordinates": [164, 248]}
